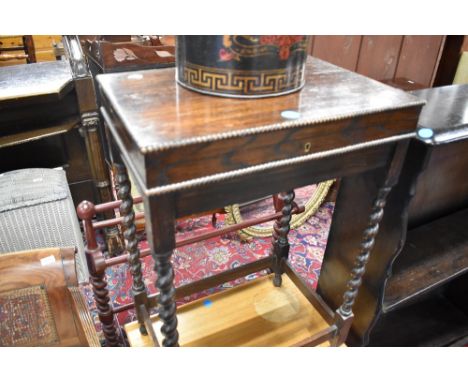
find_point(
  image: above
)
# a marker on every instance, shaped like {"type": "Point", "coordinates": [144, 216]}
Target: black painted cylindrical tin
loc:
{"type": "Point", "coordinates": [241, 66]}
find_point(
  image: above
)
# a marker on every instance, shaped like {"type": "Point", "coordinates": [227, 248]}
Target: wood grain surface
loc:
{"type": "Point", "coordinates": [185, 135]}
{"type": "Point", "coordinates": [45, 80]}
{"type": "Point", "coordinates": [254, 314]}
{"type": "Point", "coordinates": [158, 112]}
{"type": "Point", "coordinates": [446, 113]}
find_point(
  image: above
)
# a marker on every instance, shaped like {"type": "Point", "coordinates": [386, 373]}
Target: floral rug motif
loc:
{"type": "Point", "coordinates": [203, 259]}
{"type": "Point", "coordinates": [26, 318]}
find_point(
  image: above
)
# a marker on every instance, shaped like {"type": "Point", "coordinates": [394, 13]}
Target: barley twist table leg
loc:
{"type": "Point", "coordinates": [166, 303]}
{"type": "Point", "coordinates": [101, 297]}
{"type": "Point", "coordinates": [280, 235]}
{"type": "Point", "coordinates": [128, 214]}
{"type": "Point", "coordinates": [366, 247]}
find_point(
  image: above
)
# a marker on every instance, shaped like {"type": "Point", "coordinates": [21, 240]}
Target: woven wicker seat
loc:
{"type": "Point", "coordinates": [37, 211]}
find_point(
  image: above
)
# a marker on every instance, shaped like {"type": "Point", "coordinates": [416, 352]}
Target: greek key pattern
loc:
{"type": "Point", "coordinates": [242, 83]}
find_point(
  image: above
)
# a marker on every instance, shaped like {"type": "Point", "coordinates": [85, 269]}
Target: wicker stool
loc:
{"type": "Point", "coordinates": [36, 211]}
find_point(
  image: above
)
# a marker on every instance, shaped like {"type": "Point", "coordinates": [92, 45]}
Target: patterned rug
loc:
{"type": "Point", "coordinates": [26, 318]}
{"type": "Point", "coordinates": [203, 259]}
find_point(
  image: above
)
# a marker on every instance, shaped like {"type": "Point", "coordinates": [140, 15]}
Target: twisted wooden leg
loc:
{"type": "Point", "coordinates": [166, 303]}
{"type": "Point", "coordinates": [101, 296]}
{"type": "Point", "coordinates": [280, 235]}
{"type": "Point", "coordinates": [97, 270]}
{"type": "Point", "coordinates": [134, 262]}
{"type": "Point", "coordinates": [344, 314]}
{"type": "Point", "coordinates": [367, 244]}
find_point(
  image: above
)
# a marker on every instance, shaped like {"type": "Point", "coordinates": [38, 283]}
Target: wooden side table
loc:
{"type": "Point", "coordinates": [190, 153]}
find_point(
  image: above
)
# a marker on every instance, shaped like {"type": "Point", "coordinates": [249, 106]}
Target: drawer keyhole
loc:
{"type": "Point", "coordinates": [307, 147]}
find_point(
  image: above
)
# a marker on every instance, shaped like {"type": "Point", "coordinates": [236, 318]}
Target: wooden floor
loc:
{"type": "Point", "coordinates": [253, 314]}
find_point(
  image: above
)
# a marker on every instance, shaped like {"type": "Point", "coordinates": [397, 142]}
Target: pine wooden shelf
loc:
{"type": "Point", "coordinates": [252, 314]}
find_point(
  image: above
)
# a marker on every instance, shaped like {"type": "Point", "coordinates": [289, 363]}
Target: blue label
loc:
{"type": "Point", "coordinates": [425, 133]}
{"type": "Point", "coordinates": [290, 114]}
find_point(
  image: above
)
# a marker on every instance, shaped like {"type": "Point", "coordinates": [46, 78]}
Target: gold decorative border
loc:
{"type": "Point", "coordinates": [241, 82]}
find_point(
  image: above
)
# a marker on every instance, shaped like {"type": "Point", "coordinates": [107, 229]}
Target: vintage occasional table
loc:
{"type": "Point", "coordinates": [191, 153]}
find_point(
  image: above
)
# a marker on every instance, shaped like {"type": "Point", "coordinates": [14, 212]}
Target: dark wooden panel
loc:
{"type": "Point", "coordinates": [443, 187]}
{"type": "Point", "coordinates": [433, 254]}
{"type": "Point", "coordinates": [432, 322]}
{"type": "Point", "coordinates": [465, 44]}
{"type": "Point", "coordinates": [423, 50]}
{"type": "Point", "coordinates": [48, 153]}
{"type": "Point", "coordinates": [254, 186]}
{"type": "Point", "coordinates": [349, 220]}
{"type": "Point", "coordinates": [339, 50]}
{"type": "Point", "coordinates": [378, 56]}
{"type": "Point", "coordinates": [456, 291]}
{"type": "Point", "coordinates": [449, 60]}
{"type": "Point", "coordinates": [446, 113]}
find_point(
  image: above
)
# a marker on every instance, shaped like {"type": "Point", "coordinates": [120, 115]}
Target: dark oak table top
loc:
{"type": "Point", "coordinates": [39, 82]}
{"type": "Point", "coordinates": [189, 136]}
{"type": "Point", "coordinates": [159, 113]}
{"type": "Point", "coordinates": [446, 114]}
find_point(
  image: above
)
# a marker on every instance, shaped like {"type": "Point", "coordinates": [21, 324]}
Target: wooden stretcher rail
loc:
{"type": "Point", "coordinates": [324, 335]}
{"type": "Point", "coordinates": [115, 221]}
{"type": "Point", "coordinates": [205, 236]}
{"type": "Point", "coordinates": [208, 282]}
{"type": "Point", "coordinates": [98, 208]}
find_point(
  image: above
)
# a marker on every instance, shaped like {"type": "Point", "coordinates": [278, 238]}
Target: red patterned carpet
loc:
{"type": "Point", "coordinates": [212, 256]}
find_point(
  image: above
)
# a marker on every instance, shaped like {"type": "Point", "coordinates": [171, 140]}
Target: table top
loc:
{"type": "Point", "coordinates": [158, 113]}
{"type": "Point", "coordinates": [444, 119]}
{"type": "Point", "coordinates": [39, 82]}
{"type": "Point", "coordinates": [184, 135]}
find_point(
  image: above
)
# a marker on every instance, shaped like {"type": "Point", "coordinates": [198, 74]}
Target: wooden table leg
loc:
{"type": "Point", "coordinates": [128, 214]}
{"type": "Point", "coordinates": [160, 229]}
{"type": "Point", "coordinates": [281, 228]}
{"type": "Point", "coordinates": [97, 270]}
{"type": "Point", "coordinates": [345, 312]}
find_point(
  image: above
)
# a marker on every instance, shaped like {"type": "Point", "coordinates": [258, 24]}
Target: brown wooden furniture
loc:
{"type": "Point", "coordinates": [10, 52]}
{"type": "Point", "coordinates": [41, 302]}
{"type": "Point", "coordinates": [190, 153]}
{"type": "Point", "coordinates": [43, 48]}
{"type": "Point", "coordinates": [46, 108]}
{"type": "Point", "coordinates": [413, 295]}
{"type": "Point", "coordinates": [97, 262]}
{"type": "Point", "coordinates": [108, 55]}
{"type": "Point", "coordinates": [38, 117]}
{"type": "Point", "coordinates": [424, 60]}
{"type": "Point", "coordinates": [268, 316]}
{"type": "Point", "coordinates": [426, 284]}
{"type": "Point", "coordinates": [39, 120]}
